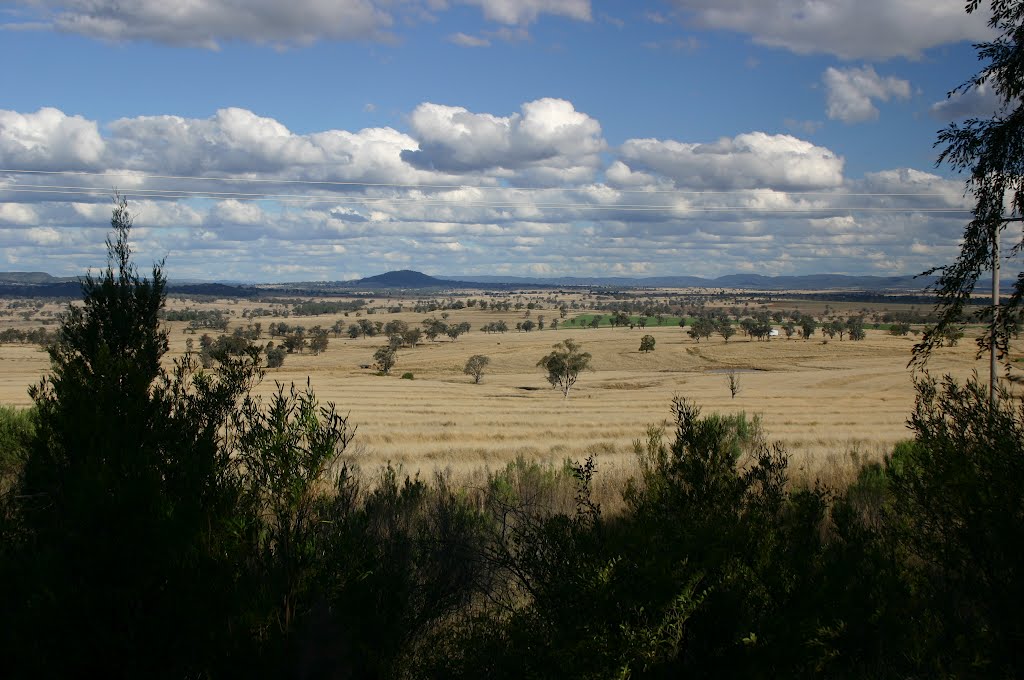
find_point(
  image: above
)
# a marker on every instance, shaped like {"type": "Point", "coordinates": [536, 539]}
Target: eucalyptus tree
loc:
{"type": "Point", "coordinates": [991, 150]}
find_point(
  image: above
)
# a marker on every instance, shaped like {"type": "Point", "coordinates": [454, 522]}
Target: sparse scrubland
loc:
{"type": "Point", "coordinates": [159, 519]}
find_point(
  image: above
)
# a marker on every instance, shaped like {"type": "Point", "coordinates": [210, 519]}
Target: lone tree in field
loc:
{"type": "Point", "coordinates": [384, 359]}
{"type": "Point", "coordinates": [733, 380]}
{"type": "Point", "coordinates": [564, 365]}
{"type": "Point", "coordinates": [647, 343]}
{"type": "Point", "coordinates": [475, 367]}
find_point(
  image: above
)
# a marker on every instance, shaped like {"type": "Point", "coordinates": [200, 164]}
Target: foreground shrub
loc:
{"type": "Point", "coordinates": [958, 513]}
{"type": "Point", "coordinates": [17, 426]}
{"type": "Point", "coordinates": [699, 575]}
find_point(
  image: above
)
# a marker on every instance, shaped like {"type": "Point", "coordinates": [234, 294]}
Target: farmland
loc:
{"type": "Point", "coordinates": [829, 403]}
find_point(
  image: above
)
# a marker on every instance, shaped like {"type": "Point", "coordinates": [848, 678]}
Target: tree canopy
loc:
{"type": "Point", "coordinates": [992, 150]}
{"type": "Point", "coordinates": [564, 364]}
{"type": "Point", "coordinates": [475, 366]}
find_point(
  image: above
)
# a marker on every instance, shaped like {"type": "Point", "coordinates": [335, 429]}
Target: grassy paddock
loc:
{"type": "Point", "coordinates": [830, 404]}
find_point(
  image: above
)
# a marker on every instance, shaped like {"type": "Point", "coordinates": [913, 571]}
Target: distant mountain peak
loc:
{"type": "Point", "coordinates": [405, 278]}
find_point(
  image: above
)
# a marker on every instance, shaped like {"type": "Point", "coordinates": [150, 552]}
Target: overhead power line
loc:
{"type": "Point", "coordinates": [451, 203]}
{"type": "Point", "coordinates": [481, 187]}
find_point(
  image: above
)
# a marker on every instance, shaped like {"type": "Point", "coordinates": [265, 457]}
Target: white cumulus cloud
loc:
{"type": "Point", "coordinates": [527, 11]}
{"type": "Point", "coordinates": [463, 40]}
{"type": "Point", "coordinates": [850, 29]}
{"type": "Point", "coordinates": [747, 161]}
{"type": "Point", "coordinates": [850, 93]}
{"type": "Point", "coordinates": [239, 142]}
{"type": "Point", "coordinates": [547, 140]}
{"type": "Point", "coordinates": [462, 192]}
{"type": "Point", "coordinates": [47, 138]}
{"type": "Point", "coordinates": [209, 24]}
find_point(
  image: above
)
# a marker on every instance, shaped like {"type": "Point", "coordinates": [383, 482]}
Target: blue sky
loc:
{"type": "Point", "coordinates": [332, 139]}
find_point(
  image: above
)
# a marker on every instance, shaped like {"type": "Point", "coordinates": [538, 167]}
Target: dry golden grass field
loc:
{"type": "Point", "coordinates": [828, 404]}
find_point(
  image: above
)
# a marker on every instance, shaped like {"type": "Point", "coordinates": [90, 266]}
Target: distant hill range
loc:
{"type": "Point", "coordinates": [43, 285]}
{"type": "Point", "coordinates": [744, 281]}
{"type": "Point", "coordinates": [40, 284]}
{"type": "Point", "coordinates": [34, 278]}
{"type": "Point", "coordinates": [413, 279]}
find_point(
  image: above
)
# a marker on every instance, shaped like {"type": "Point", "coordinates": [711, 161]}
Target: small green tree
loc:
{"type": "Point", "coordinates": [564, 365]}
{"type": "Point", "coordinates": [855, 327]}
{"type": "Point", "coordinates": [294, 342]}
{"type": "Point", "coordinates": [647, 343]}
{"type": "Point", "coordinates": [412, 337]}
{"type": "Point", "coordinates": [475, 366]}
{"type": "Point", "coordinates": [275, 356]}
{"type": "Point", "coordinates": [318, 343]}
{"type": "Point", "coordinates": [384, 359]}
{"type": "Point", "coordinates": [899, 328]}
{"type": "Point", "coordinates": [703, 327]}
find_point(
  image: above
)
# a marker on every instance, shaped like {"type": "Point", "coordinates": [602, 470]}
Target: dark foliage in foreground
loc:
{"type": "Point", "coordinates": [163, 523]}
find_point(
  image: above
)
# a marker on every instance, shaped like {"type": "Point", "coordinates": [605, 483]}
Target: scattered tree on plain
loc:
{"type": "Point", "coordinates": [951, 335]}
{"type": "Point", "coordinates": [855, 327]}
{"type": "Point", "coordinates": [412, 337]}
{"type": "Point", "coordinates": [475, 366]}
{"type": "Point", "coordinates": [703, 327]}
{"type": "Point", "coordinates": [725, 329]}
{"type": "Point", "coordinates": [318, 342]}
{"type": "Point", "coordinates": [564, 365]}
{"type": "Point", "coordinates": [733, 380]}
{"type": "Point", "coordinates": [384, 359]}
{"type": "Point", "coordinates": [647, 343]}
{"type": "Point", "coordinates": [275, 356]}
{"type": "Point", "coordinates": [295, 341]}
{"type": "Point", "coordinates": [395, 327]}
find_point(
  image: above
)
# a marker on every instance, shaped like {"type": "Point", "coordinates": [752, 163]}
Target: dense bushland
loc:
{"type": "Point", "coordinates": [169, 524]}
